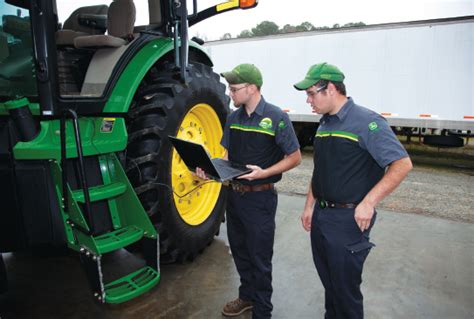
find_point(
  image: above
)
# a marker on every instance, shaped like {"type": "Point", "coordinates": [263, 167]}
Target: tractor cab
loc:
{"type": "Point", "coordinates": [91, 45]}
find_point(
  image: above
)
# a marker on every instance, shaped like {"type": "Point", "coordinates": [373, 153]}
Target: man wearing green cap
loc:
{"type": "Point", "coordinates": [260, 134]}
{"type": "Point", "coordinates": [358, 161]}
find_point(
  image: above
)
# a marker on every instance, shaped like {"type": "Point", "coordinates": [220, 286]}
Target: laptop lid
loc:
{"type": "Point", "coordinates": [195, 155]}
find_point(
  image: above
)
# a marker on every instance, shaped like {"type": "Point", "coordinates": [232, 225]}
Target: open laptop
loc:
{"type": "Point", "coordinates": [195, 155]}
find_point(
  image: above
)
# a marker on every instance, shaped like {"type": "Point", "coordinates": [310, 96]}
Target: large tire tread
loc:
{"type": "Point", "coordinates": [157, 110]}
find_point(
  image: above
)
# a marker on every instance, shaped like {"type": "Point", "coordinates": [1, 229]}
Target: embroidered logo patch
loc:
{"type": "Point", "coordinates": [373, 126]}
{"type": "Point", "coordinates": [282, 124]}
{"type": "Point", "coordinates": [266, 123]}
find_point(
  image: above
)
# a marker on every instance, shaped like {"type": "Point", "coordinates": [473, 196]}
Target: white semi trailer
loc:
{"type": "Point", "coordinates": [419, 75]}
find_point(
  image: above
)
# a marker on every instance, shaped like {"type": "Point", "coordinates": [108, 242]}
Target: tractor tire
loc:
{"type": "Point", "coordinates": [186, 211]}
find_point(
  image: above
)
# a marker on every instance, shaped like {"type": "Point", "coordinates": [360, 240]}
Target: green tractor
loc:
{"type": "Point", "coordinates": [86, 108]}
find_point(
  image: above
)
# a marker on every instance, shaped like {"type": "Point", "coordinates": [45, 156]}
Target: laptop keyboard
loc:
{"type": "Point", "coordinates": [223, 166]}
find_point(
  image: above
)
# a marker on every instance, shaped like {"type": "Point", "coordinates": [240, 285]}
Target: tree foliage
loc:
{"type": "Point", "coordinates": [245, 34]}
{"type": "Point", "coordinates": [288, 28]}
{"type": "Point", "coordinates": [265, 28]}
{"type": "Point", "coordinates": [269, 28]}
{"type": "Point", "coordinates": [305, 26]}
{"type": "Point", "coordinates": [353, 24]}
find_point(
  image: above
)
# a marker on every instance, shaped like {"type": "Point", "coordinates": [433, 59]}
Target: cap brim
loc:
{"type": "Point", "coordinates": [231, 77]}
{"type": "Point", "coordinates": [304, 85]}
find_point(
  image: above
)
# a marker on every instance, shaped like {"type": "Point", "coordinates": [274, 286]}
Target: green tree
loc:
{"type": "Point", "coordinates": [265, 28]}
{"type": "Point", "coordinates": [305, 26]}
{"type": "Point", "coordinates": [245, 34]}
{"type": "Point", "coordinates": [269, 28]}
{"type": "Point", "coordinates": [354, 24]}
{"type": "Point", "coordinates": [288, 28]}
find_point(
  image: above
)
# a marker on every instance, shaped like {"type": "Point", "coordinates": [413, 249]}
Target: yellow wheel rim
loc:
{"type": "Point", "coordinates": [194, 198]}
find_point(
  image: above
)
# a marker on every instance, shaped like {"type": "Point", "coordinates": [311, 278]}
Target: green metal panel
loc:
{"type": "Point", "coordinates": [34, 107]}
{"type": "Point", "coordinates": [95, 139]}
{"type": "Point", "coordinates": [125, 89]}
{"type": "Point", "coordinates": [74, 215]}
{"type": "Point", "coordinates": [130, 209]}
{"type": "Point", "coordinates": [15, 104]}
{"type": "Point", "coordinates": [104, 170]}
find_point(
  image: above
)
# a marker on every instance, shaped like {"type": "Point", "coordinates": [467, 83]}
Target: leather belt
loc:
{"type": "Point", "coordinates": [236, 187]}
{"type": "Point", "coordinates": [328, 204]}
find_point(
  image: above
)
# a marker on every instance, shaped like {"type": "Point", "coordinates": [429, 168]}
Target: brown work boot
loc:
{"type": "Point", "coordinates": [236, 307]}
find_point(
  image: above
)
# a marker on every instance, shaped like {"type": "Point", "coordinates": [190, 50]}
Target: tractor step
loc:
{"type": "Point", "coordinates": [100, 192]}
{"type": "Point", "coordinates": [131, 285]}
{"type": "Point", "coordinates": [118, 238]}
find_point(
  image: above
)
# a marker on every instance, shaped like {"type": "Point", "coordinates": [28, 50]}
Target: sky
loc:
{"type": "Point", "coordinates": [294, 12]}
{"type": "Point", "coordinates": [327, 13]}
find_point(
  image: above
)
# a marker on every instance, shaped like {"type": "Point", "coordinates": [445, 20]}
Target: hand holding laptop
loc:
{"type": "Point", "coordinates": [256, 173]}
{"type": "Point", "coordinates": [201, 174]}
{"type": "Point", "coordinates": [195, 156]}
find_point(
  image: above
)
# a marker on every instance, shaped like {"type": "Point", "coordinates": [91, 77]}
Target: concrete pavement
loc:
{"type": "Point", "coordinates": [422, 267]}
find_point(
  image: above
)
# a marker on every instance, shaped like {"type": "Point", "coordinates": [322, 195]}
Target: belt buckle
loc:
{"type": "Point", "coordinates": [236, 187]}
{"type": "Point", "coordinates": [322, 204]}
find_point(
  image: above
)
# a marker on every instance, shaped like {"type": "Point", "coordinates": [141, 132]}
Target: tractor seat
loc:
{"type": "Point", "coordinates": [82, 22]}
{"type": "Point", "coordinates": [120, 22]}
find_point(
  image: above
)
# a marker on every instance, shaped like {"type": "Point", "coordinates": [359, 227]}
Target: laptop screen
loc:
{"type": "Point", "coordinates": [194, 155]}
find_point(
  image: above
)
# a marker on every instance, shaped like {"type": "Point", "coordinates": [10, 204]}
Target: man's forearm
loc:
{"type": "Point", "coordinates": [287, 163]}
{"type": "Point", "coordinates": [395, 174]}
{"type": "Point", "coordinates": [307, 215]}
{"type": "Point", "coordinates": [310, 200]}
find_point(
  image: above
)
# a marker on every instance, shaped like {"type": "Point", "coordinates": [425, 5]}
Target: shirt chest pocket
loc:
{"type": "Point", "coordinates": [336, 148]}
{"type": "Point", "coordinates": [256, 142]}
{"type": "Point", "coordinates": [343, 148]}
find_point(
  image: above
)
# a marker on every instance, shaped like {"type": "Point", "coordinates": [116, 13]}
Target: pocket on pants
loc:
{"type": "Point", "coordinates": [356, 255]}
{"type": "Point", "coordinates": [359, 246]}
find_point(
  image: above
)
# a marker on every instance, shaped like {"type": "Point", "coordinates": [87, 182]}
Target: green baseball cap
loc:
{"type": "Point", "coordinates": [317, 72]}
{"type": "Point", "coordinates": [244, 73]}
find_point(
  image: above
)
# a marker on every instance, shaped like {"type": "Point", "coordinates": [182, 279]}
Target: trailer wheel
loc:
{"type": "Point", "coordinates": [443, 141]}
{"type": "Point", "coordinates": [186, 211]}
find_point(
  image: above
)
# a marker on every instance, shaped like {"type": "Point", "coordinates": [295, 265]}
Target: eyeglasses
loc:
{"type": "Point", "coordinates": [319, 89]}
{"type": "Point", "coordinates": [233, 90]}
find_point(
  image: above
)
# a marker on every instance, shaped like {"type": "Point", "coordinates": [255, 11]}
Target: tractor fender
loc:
{"type": "Point", "coordinates": [154, 51]}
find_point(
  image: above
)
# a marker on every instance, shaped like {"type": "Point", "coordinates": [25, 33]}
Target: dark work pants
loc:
{"type": "Point", "coordinates": [339, 251]}
{"type": "Point", "coordinates": [251, 232]}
